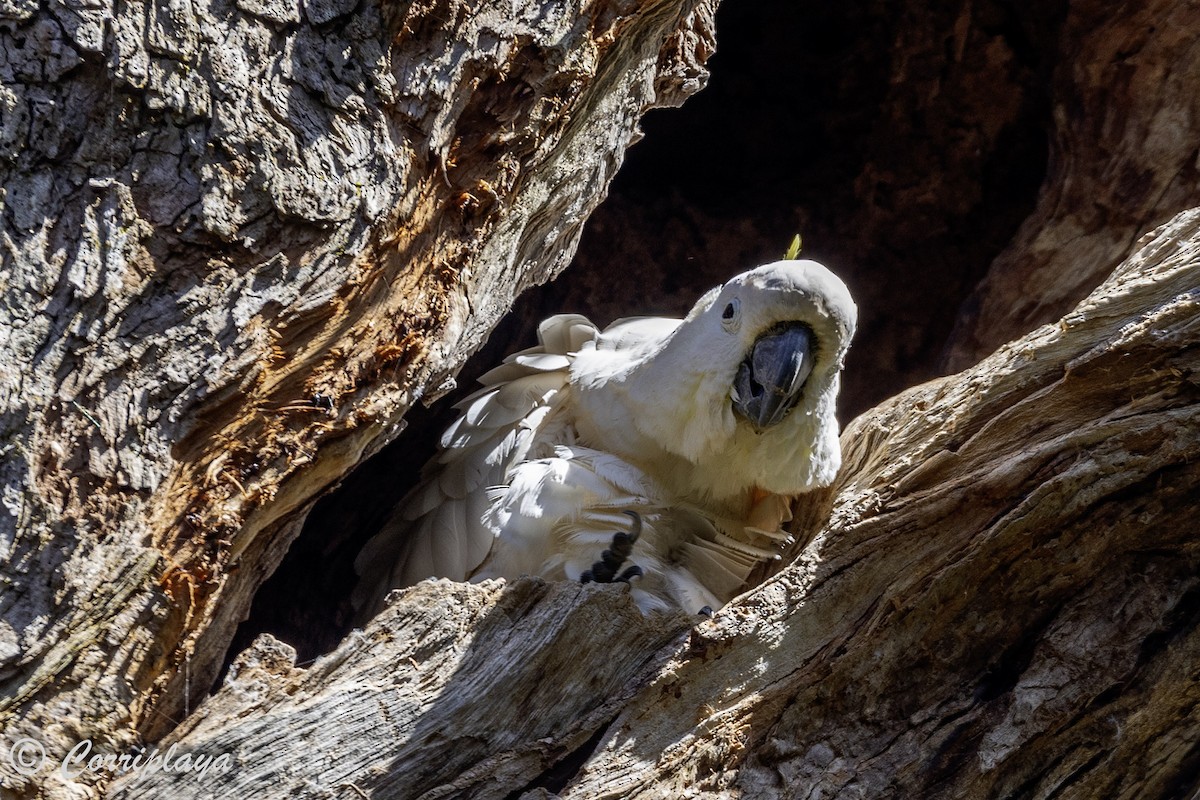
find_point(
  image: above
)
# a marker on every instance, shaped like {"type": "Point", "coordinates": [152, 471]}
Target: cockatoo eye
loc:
{"type": "Point", "coordinates": [731, 316]}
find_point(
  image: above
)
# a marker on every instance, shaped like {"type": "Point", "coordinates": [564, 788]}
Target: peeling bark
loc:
{"type": "Point", "coordinates": [240, 241]}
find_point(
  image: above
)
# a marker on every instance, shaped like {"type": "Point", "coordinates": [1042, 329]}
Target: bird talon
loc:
{"type": "Point", "coordinates": [631, 572]}
{"type": "Point", "coordinates": [636, 529]}
{"type": "Point", "coordinates": [706, 612]}
{"type": "Point", "coordinates": [605, 570]}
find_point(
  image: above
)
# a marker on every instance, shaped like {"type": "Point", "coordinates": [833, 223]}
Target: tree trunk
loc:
{"type": "Point", "coordinates": [241, 242]}
{"type": "Point", "coordinates": [998, 598]}
{"type": "Point", "coordinates": [1125, 113]}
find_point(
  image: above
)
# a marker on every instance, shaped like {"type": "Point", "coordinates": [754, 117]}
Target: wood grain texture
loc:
{"type": "Point", "coordinates": [240, 241]}
{"type": "Point", "coordinates": [1125, 118]}
{"type": "Point", "coordinates": [455, 690]}
{"type": "Point", "coordinates": [998, 598]}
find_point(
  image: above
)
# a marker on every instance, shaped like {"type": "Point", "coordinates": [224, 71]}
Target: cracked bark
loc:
{"type": "Point", "coordinates": [241, 241]}
{"type": "Point", "coordinates": [1123, 160]}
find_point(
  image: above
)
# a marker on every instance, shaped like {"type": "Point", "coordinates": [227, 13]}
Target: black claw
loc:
{"type": "Point", "coordinates": [635, 530]}
{"type": "Point", "coordinates": [631, 572]}
{"type": "Point", "coordinates": [706, 612]}
{"type": "Point", "coordinates": [605, 570]}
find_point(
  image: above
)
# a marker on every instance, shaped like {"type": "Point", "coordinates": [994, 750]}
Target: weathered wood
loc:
{"type": "Point", "coordinates": [240, 241]}
{"type": "Point", "coordinates": [457, 688]}
{"type": "Point", "coordinates": [1124, 123]}
{"type": "Point", "coordinates": [1000, 597]}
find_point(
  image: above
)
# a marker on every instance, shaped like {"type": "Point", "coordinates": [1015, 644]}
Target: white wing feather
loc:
{"type": "Point", "coordinates": [560, 513]}
{"type": "Point", "coordinates": [439, 529]}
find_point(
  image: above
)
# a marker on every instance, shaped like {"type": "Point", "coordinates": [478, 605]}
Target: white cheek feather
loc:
{"type": "Point", "coordinates": [800, 454]}
{"type": "Point", "coordinates": [692, 419]}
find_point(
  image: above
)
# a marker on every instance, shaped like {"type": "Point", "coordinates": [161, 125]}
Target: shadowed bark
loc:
{"type": "Point", "coordinates": [1125, 115]}
{"type": "Point", "coordinates": [242, 240]}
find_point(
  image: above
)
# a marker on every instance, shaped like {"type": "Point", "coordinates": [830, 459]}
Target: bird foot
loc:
{"type": "Point", "coordinates": [605, 570]}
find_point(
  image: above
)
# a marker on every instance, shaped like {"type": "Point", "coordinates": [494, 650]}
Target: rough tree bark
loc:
{"type": "Point", "coordinates": [240, 240]}
{"type": "Point", "coordinates": [1125, 112]}
{"type": "Point", "coordinates": [999, 598]}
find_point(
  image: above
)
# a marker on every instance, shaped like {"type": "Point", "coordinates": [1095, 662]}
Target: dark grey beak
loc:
{"type": "Point", "coordinates": [771, 379]}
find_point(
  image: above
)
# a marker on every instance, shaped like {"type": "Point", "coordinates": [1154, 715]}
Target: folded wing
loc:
{"type": "Point", "coordinates": [440, 528]}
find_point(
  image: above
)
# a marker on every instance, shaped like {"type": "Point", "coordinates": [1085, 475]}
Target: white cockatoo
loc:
{"type": "Point", "coordinates": [676, 444]}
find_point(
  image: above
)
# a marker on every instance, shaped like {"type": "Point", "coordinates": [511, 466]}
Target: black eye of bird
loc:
{"type": "Point", "coordinates": [728, 312]}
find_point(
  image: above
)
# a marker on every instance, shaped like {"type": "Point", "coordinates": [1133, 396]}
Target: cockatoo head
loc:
{"type": "Point", "coordinates": [787, 319]}
{"type": "Point", "coordinates": [754, 379]}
